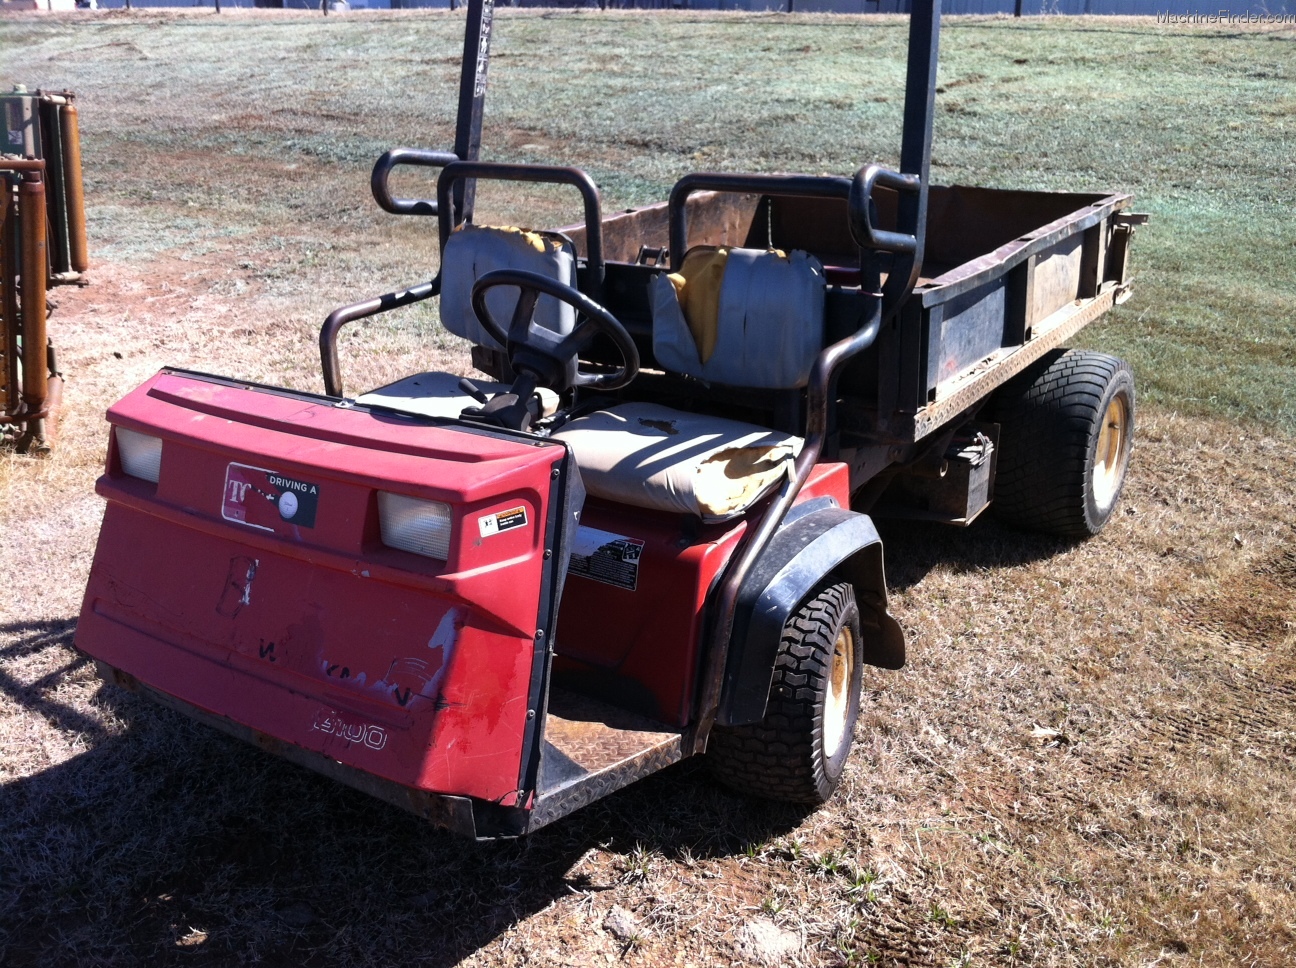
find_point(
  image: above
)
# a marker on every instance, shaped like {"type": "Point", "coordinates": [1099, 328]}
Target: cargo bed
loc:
{"type": "Point", "coordinates": [1008, 276]}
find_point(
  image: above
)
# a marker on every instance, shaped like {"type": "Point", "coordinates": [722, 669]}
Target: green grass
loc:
{"type": "Point", "coordinates": [1198, 122]}
{"type": "Point", "coordinates": [227, 163]}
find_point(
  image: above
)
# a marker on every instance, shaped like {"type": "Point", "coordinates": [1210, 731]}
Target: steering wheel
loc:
{"type": "Point", "coordinates": [549, 356]}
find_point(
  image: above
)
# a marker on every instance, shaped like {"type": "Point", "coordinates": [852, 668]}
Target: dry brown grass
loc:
{"type": "Point", "coordinates": [1090, 759]}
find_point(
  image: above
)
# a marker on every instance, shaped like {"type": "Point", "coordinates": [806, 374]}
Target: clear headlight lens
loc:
{"type": "Point", "coordinates": [412, 524]}
{"type": "Point", "coordinates": [141, 455]}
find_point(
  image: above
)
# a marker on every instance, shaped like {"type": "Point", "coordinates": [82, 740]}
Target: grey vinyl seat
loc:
{"type": "Point", "coordinates": [469, 253]}
{"type": "Point", "coordinates": [741, 317]}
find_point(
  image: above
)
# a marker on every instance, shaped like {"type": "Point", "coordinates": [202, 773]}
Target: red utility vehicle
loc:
{"type": "Point", "coordinates": [644, 538]}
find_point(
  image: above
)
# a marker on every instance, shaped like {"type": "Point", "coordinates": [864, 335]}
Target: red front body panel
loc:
{"type": "Point", "coordinates": [641, 647]}
{"type": "Point", "coordinates": [413, 669]}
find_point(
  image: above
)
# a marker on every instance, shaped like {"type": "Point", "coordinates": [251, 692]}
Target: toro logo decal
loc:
{"type": "Point", "coordinates": [265, 499]}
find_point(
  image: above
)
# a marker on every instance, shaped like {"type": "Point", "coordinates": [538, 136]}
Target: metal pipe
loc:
{"type": "Point", "coordinates": [74, 188]}
{"type": "Point", "coordinates": [754, 542]}
{"type": "Point", "coordinates": [349, 314]}
{"type": "Point", "coordinates": [31, 212]}
{"type": "Point", "coordinates": [405, 156]}
{"type": "Point", "coordinates": [798, 186]}
{"type": "Point", "coordinates": [472, 97]}
{"type": "Point", "coordinates": [53, 400]}
{"type": "Point", "coordinates": [10, 267]}
{"type": "Point", "coordinates": [22, 164]}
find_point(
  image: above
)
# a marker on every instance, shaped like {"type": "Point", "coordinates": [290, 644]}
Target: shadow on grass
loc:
{"type": "Point", "coordinates": [167, 843]}
{"type": "Point", "coordinates": [32, 638]}
{"type": "Point", "coordinates": [914, 548]}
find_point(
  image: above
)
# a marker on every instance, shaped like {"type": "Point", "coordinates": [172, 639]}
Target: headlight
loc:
{"type": "Point", "coordinates": [412, 524]}
{"type": "Point", "coordinates": [141, 455]}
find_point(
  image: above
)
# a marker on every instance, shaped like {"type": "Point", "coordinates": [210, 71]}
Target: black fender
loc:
{"type": "Point", "coordinates": [823, 539]}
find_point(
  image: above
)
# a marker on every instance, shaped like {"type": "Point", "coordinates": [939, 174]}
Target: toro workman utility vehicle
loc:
{"type": "Point", "coordinates": [644, 536]}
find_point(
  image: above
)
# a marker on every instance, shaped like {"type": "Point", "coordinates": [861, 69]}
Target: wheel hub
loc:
{"type": "Point", "coordinates": [1109, 458]}
{"type": "Point", "coordinates": [837, 702]}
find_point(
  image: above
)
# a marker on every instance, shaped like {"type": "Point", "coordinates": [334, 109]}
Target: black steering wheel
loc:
{"type": "Point", "coordinates": [549, 356]}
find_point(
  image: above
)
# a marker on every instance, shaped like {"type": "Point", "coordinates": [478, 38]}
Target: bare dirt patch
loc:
{"type": "Point", "coordinates": [1089, 759]}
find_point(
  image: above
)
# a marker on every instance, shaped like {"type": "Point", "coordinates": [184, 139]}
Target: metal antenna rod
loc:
{"type": "Point", "coordinates": [472, 99]}
{"type": "Point", "coordinates": [920, 105]}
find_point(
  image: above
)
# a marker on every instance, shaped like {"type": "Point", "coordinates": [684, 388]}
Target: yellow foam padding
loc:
{"type": "Point", "coordinates": [697, 287]}
{"type": "Point", "coordinates": [729, 481]}
{"type": "Point", "coordinates": [533, 239]}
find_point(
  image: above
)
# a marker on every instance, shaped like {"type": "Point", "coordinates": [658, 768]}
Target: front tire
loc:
{"type": "Point", "coordinates": [1066, 431]}
{"type": "Point", "coordinates": [798, 752]}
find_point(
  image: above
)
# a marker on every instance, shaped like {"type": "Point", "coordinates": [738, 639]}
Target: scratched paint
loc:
{"type": "Point", "coordinates": [414, 677]}
{"type": "Point", "coordinates": [237, 590]}
{"type": "Point", "coordinates": [407, 678]}
{"type": "Point", "coordinates": [447, 631]}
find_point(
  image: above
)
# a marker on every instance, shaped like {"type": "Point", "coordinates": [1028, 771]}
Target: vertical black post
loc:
{"type": "Point", "coordinates": [920, 105]}
{"type": "Point", "coordinates": [911, 207]}
{"type": "Point", "coordinates": [472, 97]}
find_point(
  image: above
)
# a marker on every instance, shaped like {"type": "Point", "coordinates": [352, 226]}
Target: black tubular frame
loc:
{"type": "Point", "coordinates": [905, 247]}
{"type": "Point", "coordinates": [415, 157]}
{"type": "Point", "coordinates": [349, 314]}
{"type": "Point", "coordinates": [899, 251]}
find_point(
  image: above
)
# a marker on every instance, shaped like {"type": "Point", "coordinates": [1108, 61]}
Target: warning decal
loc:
{"type": "Point", "coordinates": [490, 524]}
{"type": "Point", "coordinates": [603, 556]}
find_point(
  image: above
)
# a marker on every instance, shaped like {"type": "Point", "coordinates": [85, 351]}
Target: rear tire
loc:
{"type": "Point", "coordinates": [1066, 429]}
{"type": "Point", "coordinates": [798, 752]}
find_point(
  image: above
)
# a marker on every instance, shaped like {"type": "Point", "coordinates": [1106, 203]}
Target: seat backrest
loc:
{"type": "Point", "coordinates": [473, 250]}
{"type": "Point", "coordinates": [741, 317]}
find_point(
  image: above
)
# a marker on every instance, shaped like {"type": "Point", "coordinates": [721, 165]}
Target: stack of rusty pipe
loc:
{"type": "Point", "coordinates": [42, 243]}
{"type": "Point", "coordinates": [29, 390]}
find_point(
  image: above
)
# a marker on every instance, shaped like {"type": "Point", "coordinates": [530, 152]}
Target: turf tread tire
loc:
{"type": "Point", "coordinates": [781, 757]}
{"type": "Point", "coordinates": [1050, 417]}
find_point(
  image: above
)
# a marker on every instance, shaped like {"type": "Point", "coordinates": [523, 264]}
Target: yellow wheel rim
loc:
{"type": "Point", "coordinates": [837, 702]}
{"type": "Point", "coordinates": [1112, 451]}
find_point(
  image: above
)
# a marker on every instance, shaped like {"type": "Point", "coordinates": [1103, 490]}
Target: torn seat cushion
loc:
{"type": "Point", "coordinates": [438, 395]}
{"type": "Point", "coordinates": [651, 456]}
{"type": "Point", "coordinates": [741, 317]}
{"type": "Point", "coordinates": [474, 250]}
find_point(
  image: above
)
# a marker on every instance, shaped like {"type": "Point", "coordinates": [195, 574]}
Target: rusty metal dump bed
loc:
{"type": "Point", "coordinates": [1008, 276]}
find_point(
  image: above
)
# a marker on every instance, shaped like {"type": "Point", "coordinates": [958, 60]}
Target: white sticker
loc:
{"type": "Point", "coordinates": [490, 524]}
